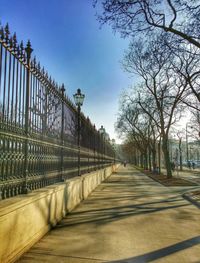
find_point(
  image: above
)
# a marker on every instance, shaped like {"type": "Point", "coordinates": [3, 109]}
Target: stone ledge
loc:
{"type": "Point", "coordinates": [14, 203]}
{"type": "Point", "coordinates": [26, 218]}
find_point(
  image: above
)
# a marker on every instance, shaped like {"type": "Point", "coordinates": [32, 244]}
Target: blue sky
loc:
{"type": "Point", "coordinates": [68, 42]}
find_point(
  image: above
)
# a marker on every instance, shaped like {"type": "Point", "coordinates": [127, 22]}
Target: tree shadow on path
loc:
{"type": "Point", "coordinates": [160, 253]}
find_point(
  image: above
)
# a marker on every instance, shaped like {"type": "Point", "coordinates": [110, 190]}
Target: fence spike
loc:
{"type": "Point", "coordinates": [14, 42]}
{"type": "Point", "coordinates": [34, 62]}
{"type": "Point", "coordinates": [18, 51]}
{"type": "Point", "coordinates": [28, 47]}
{"type": "Point", "coordinates": [2, 33]}
{"type": "Point", "coordinates": [21, 46]}
{"type": "Point", "coordinates": [46, 76]}
{"type": "Point", "coordinates": [38, 66]}
{"type": "Point", "coordinates": [11, 43]}
{"type": "Point", "coordinates": [7, 33]}
{"type": "Point", "coordinates": [63, 87]}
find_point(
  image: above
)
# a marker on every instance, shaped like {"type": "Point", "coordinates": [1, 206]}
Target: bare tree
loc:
{"type": "Point", "coordinates": [139, 129]}
{"type": "Point", "coordinates": [133, 17]}
{"type": "Point", "coordinates": [186, 64]}
{"type": "Point", "coordinates": [153, 63]}
{"type": "Point", "coordinates": [195, 119]}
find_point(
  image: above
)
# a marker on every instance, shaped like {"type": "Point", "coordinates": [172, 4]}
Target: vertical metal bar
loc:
{"type": "Point", "coordinates": [62, 131]}
{"type": "Point", "coordinates": [30, 102]}
{"type": "Point", "coordinates": [27, 112]}
{"type": "Point", "coordinates": [88, 142]}
{"type": "Point", "coordinates": [24, 87]}
{"type": "Point", "coordinates": [20, 94]}
{"type": "Point", "coordinates": [94, 146]}
{"type": "Point", "coordinates": [13, 85]}
{"type": "Point", "coordinates": [35, 103]}
{"type": "Point", "coordinates": [4, 85]}
{"type": "Point", "coordinates": [3, 162]}
{"type": "Point", "coordinates": [78, 139]}
{"type": "Point", "coordinates": [40, 105]}
{"type": "Point", "coordinates": [16, 92]}
{"type": "Point", "coordinates": [1, 58]}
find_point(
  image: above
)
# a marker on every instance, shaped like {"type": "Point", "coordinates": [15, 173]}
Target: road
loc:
{"type": "Point", "coordinates": [128, 218]}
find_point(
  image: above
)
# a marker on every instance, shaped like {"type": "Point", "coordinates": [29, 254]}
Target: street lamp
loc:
{"type": "Point", "coordinates": [102, 130]}
{"type": "Point", "coordinates": [79, 98]}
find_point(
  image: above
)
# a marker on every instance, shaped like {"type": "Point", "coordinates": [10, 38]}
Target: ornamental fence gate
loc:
{"type": "Point", "coordinates": [38, 126]}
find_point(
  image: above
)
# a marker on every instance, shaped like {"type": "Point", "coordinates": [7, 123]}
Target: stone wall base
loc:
{"type": "Point", "coordinates": [25, 219]}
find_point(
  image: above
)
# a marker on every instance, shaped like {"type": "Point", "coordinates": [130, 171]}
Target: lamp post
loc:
{"type": "Point", "coordinates": [79, 98]}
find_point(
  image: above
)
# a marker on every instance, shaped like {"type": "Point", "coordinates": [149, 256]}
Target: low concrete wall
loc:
{"type": "Point", "coordinates": [27, 218]}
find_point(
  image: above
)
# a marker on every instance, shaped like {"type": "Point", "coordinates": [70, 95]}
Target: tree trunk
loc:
{"type": "Point", "coordinates": [141, 160]}
{"type": "Point", "coordinates": [146, 160]}
{"type": "Point", "coordinates": [166, 156]}
{"type": "Point", "coordinates": [149, 150]}
{"type": "Point", "coordinates": [180, 155]}
{"type": "Point", "coordinates": [154, 163]}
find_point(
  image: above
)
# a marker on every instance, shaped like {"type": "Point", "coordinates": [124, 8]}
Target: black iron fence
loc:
{"type": "Point", "coordinates": [38, 126]}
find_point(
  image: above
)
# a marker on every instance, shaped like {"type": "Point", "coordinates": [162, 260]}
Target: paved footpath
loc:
{"type": "Point", "coordinates": [128, 218]}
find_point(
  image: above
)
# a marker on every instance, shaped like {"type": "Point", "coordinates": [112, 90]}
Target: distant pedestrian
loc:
{"type": "Point", "coordinates": [124, 163]}
{"type": "Point", "coordinates": [193, 165]}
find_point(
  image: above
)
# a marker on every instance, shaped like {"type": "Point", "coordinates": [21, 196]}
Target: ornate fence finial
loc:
{"type": "Point", "coordinates": [22, 50]}
{"type": "Point", "coordinates": [7, 33]}
{"type": "Point", "coordinates": [28, 50]}
{"type": "Point", "coordinates": [63, 87]}
{"type": "Point", "coordinates": [42, 71]}
{"type": "Point", "coordinates": [47, 76]}
{"type": "Point", "coordinates": [34, 64]}
{"type": "Point", "coordinates": [14, 42]}
{"type": "Point", "coordinates": [18, 51]}
{"type": "Point", "coordinates": [62, 90]}
{"type": "Point", "coordinates": [2, 33]}
{"type": "Point", "coordinates": [38, 66]}
{"type": "Point", "coordinates": [10, 43]}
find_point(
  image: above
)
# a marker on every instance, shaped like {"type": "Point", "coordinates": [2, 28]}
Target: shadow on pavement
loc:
{"type": "Point", "coordinates": [106, 215]}
{"type": "Point", "coordinates": [160, 253]}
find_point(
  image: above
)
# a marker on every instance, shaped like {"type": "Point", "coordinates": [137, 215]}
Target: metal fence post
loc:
{"type": "Point", "coordinates": [88, 143]}
{"type": "Point", "coordinates": [78, 141]}
{"type": "Point", "coordinates": [94, 145]}
{"type": "Point", "coordinates": [28, 50]}
{"type": "Point", "coordinates": [62, 132]}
